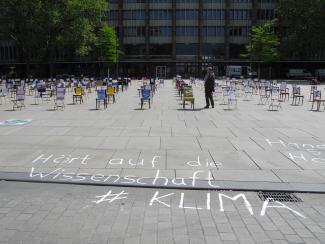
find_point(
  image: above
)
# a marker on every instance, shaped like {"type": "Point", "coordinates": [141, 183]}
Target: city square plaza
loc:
{"type": "Point", "coordinates": [164, 174]}
{"type": "Point", "coordinates": [246, 147]}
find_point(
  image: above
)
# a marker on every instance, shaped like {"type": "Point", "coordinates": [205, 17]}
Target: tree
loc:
{"type": "Point", "coordinates": [71, 24]}
{"type": "Point", "coordinates": [264, 44]}
{"type": "Point", "coordinates": [302, 28]}
{"type": "Point", "coordinates": [108, 44]}
{"type": "Point", "coordinates": [20, 25]}
{"type": "Point", "coordinates": [50, 26]}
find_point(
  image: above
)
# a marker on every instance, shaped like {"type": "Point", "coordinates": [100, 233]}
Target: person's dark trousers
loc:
{"type": "Point", "coordinates": [209, 98]}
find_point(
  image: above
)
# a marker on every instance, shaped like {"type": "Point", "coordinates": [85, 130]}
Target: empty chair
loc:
{"type": "Point", "coordinates": [232, 99]}
{"type": "Point", "coordinates": [248, 91]}
{"type": "Point", "coordinates": [110, 93]}
{"type": "Point", "coordinates": [101, 98]}
{"type": "Point", "coordinates": [146, 97]}
{"type": "Point", "coordinates": [77, 96]}
{"type": "Point", "coordinates": [284, 91]}
{"type": "Point", "coordinates": [297, 97]}
{"type": "Point", "coordinates": [313, 89]}
{"type": "Point", "coordinates": [275, 102]}
{"type": "Point", "coordinates": [59, 98]}
{"type": "Point", "coordinates": [317, 100]}
{"type": "Point", "coordinates": [19, 101]}
{"type": "Point", "coordinates": [3, 93]}
{"type": "Point", "coordinates": [225, 94]}
{"type": "Point", "coordinates": [188, 97]}
{"type": "Point", "coordinates": [218, 91]}
{"type": "Point", "coordinates": [264, 95]}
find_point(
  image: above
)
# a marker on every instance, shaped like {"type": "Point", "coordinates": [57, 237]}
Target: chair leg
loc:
{"type": "Point", "coordinates": [149, 103]}
{"type": "Point", "coordinates": [141, 103]}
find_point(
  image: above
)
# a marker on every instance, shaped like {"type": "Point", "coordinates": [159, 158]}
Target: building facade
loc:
{"type": "Point", "coordinates": [166, 37]}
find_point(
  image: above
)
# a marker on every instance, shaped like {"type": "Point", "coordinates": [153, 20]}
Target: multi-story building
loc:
{"type": "Point", "coordinates": [164, 37]}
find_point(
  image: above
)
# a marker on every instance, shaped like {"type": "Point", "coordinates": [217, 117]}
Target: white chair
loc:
{"type": "Point", "coordinates": [59, 98]}
{"type": "Point", "coordinates": [3, 93]}
{"type": "Point", "coordinates": [19, 101]}
{"type": "Point", "coordinates": [275, 102]}
{"type": "Point", "coordinates": [232, 99]}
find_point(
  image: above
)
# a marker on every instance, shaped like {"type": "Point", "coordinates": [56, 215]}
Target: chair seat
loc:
{"type": "Point", "coordinates": [188, 98]}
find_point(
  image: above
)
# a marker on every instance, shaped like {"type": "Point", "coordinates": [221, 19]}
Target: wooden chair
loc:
{"type": "Point", "coordinates": [78, 95]}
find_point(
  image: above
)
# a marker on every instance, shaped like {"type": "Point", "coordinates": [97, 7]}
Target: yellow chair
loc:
{"type": "Point", "coordinates": [78, 95]}
{"type": "Point", "coordinates": [110, 92]}
{"type": "Point", "coordinates": [188, 97]}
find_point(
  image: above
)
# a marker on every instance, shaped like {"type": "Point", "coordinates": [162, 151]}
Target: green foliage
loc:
{"type": "Point", "coordinates": [50, 25]}
{"type": "Point", "coordinates": [264, 44]}
{"type": "Point", "coordinates": [108, 43]}
{"type": "Point", "coordinates": [302, 27]}
{"type": "Point", "coordinates": [20, 23]}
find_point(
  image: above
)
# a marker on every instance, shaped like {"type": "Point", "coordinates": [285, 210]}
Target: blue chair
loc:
{"type": "Point", "coordinates": [146, 97]}
{"type": "Point", "coordinates": [101, 98]}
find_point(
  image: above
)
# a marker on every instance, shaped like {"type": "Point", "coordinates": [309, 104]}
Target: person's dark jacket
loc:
{"type": "Point", "coordinates": [209, 83]}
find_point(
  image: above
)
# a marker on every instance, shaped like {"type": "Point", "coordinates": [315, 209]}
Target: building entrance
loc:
{"type": "Point", "coordinates": [161, 71]}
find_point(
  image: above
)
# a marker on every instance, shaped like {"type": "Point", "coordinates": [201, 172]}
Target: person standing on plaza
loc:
{"type": "Point", "coordinates": [209, 87]}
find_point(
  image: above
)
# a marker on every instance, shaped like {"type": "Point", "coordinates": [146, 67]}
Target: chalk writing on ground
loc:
{"type": "Point", "coordinates": [300, 152]}
{"type": "Point", "coordinates": [212, 201]}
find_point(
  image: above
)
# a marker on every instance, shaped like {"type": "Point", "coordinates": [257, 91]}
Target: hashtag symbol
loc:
{"type": "Point", "coordinates": [109, 197]}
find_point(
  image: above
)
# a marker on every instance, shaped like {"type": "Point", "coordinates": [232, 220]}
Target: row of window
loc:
{"type": "Point", "coordinates": [191, 1]}
{"type": "Point", "coordinates": [210, 31]}
{"type": "Point", "coordinates": [190, 14]}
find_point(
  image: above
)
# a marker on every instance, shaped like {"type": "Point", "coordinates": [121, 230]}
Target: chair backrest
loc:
{"type": "Point", "coordinates": [313, 89]}
{"type": "Point", "coordinates": [4, 89]}
{"type": "Point", "coordinates": [78, 91]}
{"type": "Point", "coordinates": [296, 90]}
{"type": "Point", "coordinates": [145, 94]}
{"type": "Point", "coordinates": [60, 92]}
{"type": "Point", "coordinates": [101, 94]}
{"type": "Point", "coordinates": [232, 93]}
{"type": "Point", "coordinates": [110, 91]}
{"type": "Point", "coordinates": [226, 91]}
{"type": "Point", "coordinates": [283, 86]}
{"type": "Point", "coordinates": [188, 92]}
{"type": "Point", "coordinates": [275, 92]}
{"type": "Point", "coordinates": [20, 94]}
{"type": "Point", "coordinates": [317, 94]}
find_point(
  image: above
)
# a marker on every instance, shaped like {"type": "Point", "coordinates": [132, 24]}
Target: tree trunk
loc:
{"type": "Point", "coordinates": [51, 61]}
{"type": "Point", "coordinates": [27, 63]}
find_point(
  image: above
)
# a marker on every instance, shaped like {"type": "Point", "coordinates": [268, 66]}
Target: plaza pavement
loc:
{"type": "Point", "coordinates": [71, 214]}
{"type": "Point", "coordinates": [249, 148]}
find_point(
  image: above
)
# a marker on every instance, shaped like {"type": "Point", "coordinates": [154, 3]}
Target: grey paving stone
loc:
{"type": "Point", "coordinates": [233, 160]}
{"type": "Point", "coordinates": [271, 160]}
{"type": "Point", "coordinates": [307, 176]}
